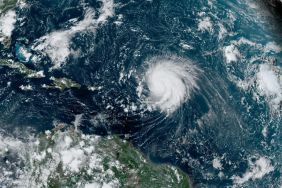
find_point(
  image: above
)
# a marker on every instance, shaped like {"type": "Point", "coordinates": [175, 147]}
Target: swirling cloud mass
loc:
{"type": "Point", "coordinates": [170, 81]}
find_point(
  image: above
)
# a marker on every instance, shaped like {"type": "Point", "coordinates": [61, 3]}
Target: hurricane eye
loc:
{"type": "Point", "coordinates": [170, 81]}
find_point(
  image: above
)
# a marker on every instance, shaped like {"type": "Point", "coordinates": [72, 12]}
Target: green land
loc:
{"type": "Point", "coordinates": [6, 5]}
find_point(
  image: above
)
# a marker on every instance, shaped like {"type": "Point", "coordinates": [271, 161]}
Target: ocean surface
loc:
{"type": "Point", "coordinates": [195, 84]}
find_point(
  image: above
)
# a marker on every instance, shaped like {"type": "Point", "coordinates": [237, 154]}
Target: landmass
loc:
{"type": "Point", "coordinates": [6, 5]}
{"type": "Point", "coordinates": [70, 158]}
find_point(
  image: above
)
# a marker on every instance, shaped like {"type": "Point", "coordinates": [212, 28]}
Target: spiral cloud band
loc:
{"type": "Point", "coordinates": [170, 81]}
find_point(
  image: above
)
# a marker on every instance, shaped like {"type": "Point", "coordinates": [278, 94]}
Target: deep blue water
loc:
{"type": "Point", "coordinates": [189, 138]}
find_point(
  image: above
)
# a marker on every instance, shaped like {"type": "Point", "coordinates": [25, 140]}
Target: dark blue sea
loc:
{"type": "Point", "coordinates": [227, 133]}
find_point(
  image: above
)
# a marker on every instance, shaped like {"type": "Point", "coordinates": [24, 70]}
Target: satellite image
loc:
{"type": "Point", "coordinates": [140, 93]}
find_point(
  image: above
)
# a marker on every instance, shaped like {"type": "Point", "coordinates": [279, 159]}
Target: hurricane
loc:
{"type": "Point", "coordinates": [134, 93]}
{"type": "Point", "coordinates": [170, 81]}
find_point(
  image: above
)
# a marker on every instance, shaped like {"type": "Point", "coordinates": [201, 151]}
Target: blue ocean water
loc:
{"type": "Point", "coordinates": [227, 134]}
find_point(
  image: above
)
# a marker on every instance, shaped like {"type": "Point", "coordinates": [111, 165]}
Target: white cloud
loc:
{"type": "Point", "coordinates": [231, 53]}
{"type": "Point", "coordinates": [57, 44]}
{"type": "Point", "coordinates": [205, 25]}
{"type": "Point", "coordinates": [269, 84]}
{"type": "Point", "coordinates": [257, 170]}
{"type": "Point", "coordinates": [7, 23]}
